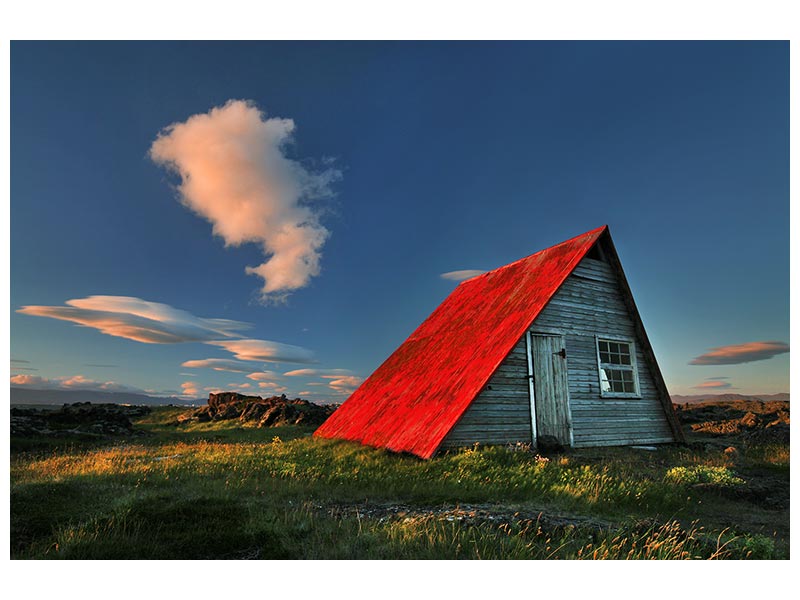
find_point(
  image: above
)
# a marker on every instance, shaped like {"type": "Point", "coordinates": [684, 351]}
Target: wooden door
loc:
{"type": "Point", "coordinates": [550, 389]}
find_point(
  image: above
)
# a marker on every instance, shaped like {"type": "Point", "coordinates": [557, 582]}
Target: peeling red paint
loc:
{"type": "Point", "coordinates": [410, 403]}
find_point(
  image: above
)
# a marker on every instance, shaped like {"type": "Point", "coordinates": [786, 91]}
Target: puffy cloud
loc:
{"type": "Point", "coordinates": [346, 385]}
{"type": "Point", "coordinates": [461, 275]}
{"type": "Point", "coordinates": [74, 382]}
{"type": "Point", "coordinates": [741, 353]}
{"type": "Point", "coordinates": [266, 351]}
{"type": "Point", "coordinates": [138, 320]}
{"type": "Point", "coordinates": [313, 372]}
{"type": "Point", "coordinates": [190, 388]}
{"type": "Point", "coordinates": [235, 173]}
{"type": "Point", "coordinates": [32, 381]}
{"type": "Point", "coordinates": [218, 364]}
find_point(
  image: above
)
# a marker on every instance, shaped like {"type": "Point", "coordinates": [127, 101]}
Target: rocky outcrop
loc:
{"type": "Point", "coordinates": [752, 421]}
{"type": "Point", "coordinates": [80, 418]}
{"type": "Point", "coordinates": [275, 411]}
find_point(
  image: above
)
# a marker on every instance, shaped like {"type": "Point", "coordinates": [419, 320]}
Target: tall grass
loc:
{"type": "Point", "coordinates": [223, 491]}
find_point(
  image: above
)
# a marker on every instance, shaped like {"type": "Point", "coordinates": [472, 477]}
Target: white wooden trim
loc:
{"type": "Point", "coordinates": [530, 387]}
{"type": "Point", "coordinates": [546, 331]}
{"type": "Point", "coordinates": [634, 366]}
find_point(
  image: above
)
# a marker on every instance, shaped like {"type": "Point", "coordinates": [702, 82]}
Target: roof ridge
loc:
{"type": "Point", "coordinates": [529, 256]}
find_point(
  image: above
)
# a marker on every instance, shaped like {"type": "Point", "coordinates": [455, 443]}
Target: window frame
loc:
{"type": "Point", "coordinates": [632, 367]}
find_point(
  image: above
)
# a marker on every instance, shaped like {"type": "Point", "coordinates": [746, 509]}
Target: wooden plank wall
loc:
{"type": "Point", "coordinates": [589, 303]}
{"type": "Point", "coordinates": [501, 414]}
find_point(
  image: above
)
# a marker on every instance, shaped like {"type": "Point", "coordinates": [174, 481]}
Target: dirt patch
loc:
{"type": "Point", "coordinates": [464, 514]}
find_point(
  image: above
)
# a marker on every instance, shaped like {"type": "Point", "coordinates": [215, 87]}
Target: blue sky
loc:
{"type": "Point", "coordinates": [435, 157]}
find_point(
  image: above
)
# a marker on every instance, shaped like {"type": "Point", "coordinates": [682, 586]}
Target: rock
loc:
{"type": "Point", "coordinates": [731, 451]}
{"type": "Point", "coordinates": [82, 418]}
{"type": "Point", "coordinates": [749, 420]}
{"type": "Point", "coordinates": [254, 411]}
{"type": "Point", "coordinates": [266, 412]}
{"type": "Point", "coordinates": [548, 443]}
{"type": "Point", "coordinates": [215, 401]}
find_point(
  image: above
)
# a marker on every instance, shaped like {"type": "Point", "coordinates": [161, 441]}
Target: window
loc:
{"type": "Point", "coordinates": [616, 362]}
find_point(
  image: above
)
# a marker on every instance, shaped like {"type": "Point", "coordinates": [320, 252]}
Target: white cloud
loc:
{"type": "Point", "coordinates": [138, 320]}
{"type": "Point", "coordinates": [218, 364]}
{"type": "Point", "coordinates": [262, 376]}
{"type": "Point", "coordinates": [266, 351]}
{"type": "Point", "coordinates": [235, 173]}
{"type": "Point", "coordinates": [461, 275]}
{"type": "Point", "coordinates": [347, 384]}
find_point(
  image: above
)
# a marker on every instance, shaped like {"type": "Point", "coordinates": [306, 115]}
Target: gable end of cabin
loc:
{"type": "Point", "coordinates": [614, 393]}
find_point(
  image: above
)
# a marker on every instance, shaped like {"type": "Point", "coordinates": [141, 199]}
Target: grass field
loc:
{"type": "Point", "coordinates": [219, 490]}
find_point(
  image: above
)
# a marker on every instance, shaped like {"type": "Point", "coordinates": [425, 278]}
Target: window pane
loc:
{"type": "Point", "coordinates": [613, 347]}
{"type": "Point", "coordinates": [604, 357]}
{"type": "Point", "coordinates": [625, 359]}
{"type": "Point", "coordinates": [603, 346]}
{"type": "Point", "coordinates": [628, 387]}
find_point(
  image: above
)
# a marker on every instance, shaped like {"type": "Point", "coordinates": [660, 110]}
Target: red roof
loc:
{"type": "Point", "coordinates": [413, 400]}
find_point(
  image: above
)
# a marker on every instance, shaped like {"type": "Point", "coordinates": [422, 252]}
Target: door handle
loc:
{"type": "Point", "coordinates": [562, 353]}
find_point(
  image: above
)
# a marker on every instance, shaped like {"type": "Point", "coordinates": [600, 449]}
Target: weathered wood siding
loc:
{"type": "Point", "coordinates": [551, 382]}
{"type": "Point", "coordinates": [589, 303]}
{"type": "Point", "coordinates": [501, 413]}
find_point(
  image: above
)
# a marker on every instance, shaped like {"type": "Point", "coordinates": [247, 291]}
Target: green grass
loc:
{"type": "Point", "coordinates": [220, 490]}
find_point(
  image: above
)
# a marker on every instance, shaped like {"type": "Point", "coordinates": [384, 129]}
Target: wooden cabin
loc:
{"type": "Point", "coordinates": [550, 345]}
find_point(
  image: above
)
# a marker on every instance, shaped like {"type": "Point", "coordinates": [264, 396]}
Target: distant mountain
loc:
{"type": "Point", "coordinates": [677, 399]}
{"type": "Point", "coordinates": [58, 397]}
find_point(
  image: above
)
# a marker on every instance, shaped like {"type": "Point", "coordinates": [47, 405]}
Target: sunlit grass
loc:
{"type": "Point", "coordinates": [221, 490]}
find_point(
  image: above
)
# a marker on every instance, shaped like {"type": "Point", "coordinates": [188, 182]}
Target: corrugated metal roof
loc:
{"type": "Point", "coordinates": [410, 403]}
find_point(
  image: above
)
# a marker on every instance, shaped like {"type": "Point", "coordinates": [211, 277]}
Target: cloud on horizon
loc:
{"type": "Point", "coordinates": [266, 351]}
{"type": "Point", "coordinates": [461, 275]}
{"type": "Point", "coordinates": [74, 382]}
{"type": "Point", "coordinates": [235, 173]}
{"type": "Point", "coordinates": [714, 385]}
{"type": "Point", "coordinates": [741, 353]}
{"type": "Point", "coordinates": [138, 320]}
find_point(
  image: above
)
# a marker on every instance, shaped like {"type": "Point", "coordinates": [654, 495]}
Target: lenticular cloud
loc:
{"type": "Point", "coordinates": [235, 173]}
